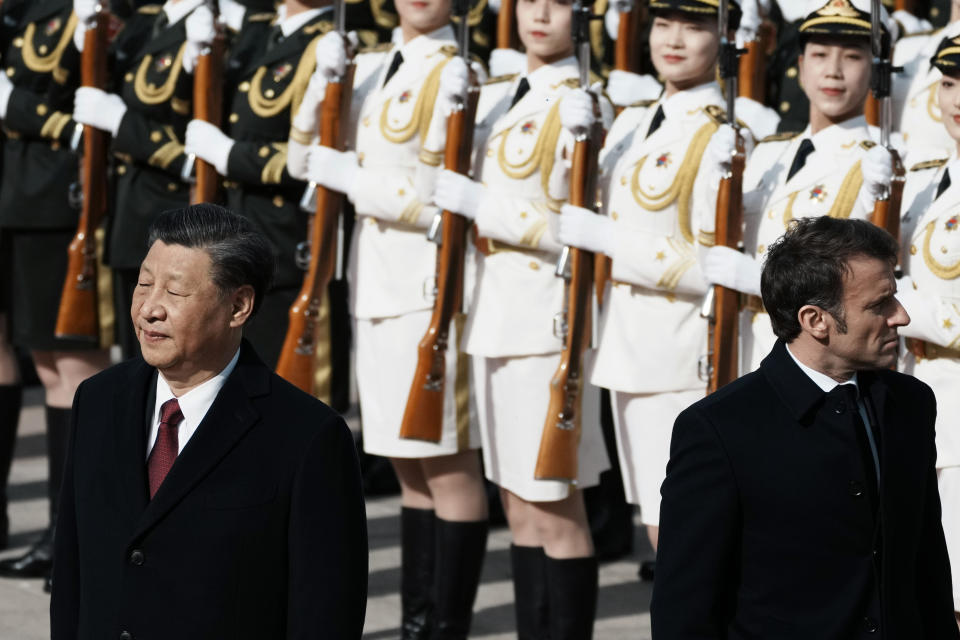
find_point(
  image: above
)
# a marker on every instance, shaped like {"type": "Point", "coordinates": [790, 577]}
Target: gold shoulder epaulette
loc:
{"type": "Point", "coordinates": [150, 9]}
{"type": "Point", "coordinates": [573, 83]}
{"type": "Point", "coordinates": [266, 16]}
{"type": "Point", "coordinates": [383, 47]}
{"type": "Point", "coordinates": [641, 103]}
{"type": "Point", "coordinates": [915, 34]}
{"type": "Point", "coordinates": [929, 164]}
{"type": "Point", "coordinates": [449, 50]}
{"type": "Point", "coordinates": [321, 26]}
{"type": "Point", "coordinates": [780, 137]}
{"type": "Point", "coordinates": [868, 144]}
{"type": "Point", "coordinates": [717, 114]}
{"type": "Point", "coordinates": [504, 78]}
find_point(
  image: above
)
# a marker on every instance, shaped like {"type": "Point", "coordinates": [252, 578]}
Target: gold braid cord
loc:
{"type": "Point", "coordinates": [846, 196]}
{"type": "Point", "coordinates": [292, 96]}
{"type": "Point", "coordinates": [149, 93]}
{"type": "Point", "coordinates": [49, 63]}
{"type": "Point", "coordinates": [543, 155]}
{"type": "Point", "coordinates": [944, 272]}
{"type": "Point", "coordinates": [422, 111]}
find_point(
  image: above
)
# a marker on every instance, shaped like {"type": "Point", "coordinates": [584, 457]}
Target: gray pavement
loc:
{"type": "Point", "coordinates": [623, 601]}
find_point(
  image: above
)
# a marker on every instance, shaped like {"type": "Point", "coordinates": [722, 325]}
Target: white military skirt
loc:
{"type": "Point", "coordinates": [386, 360]}
{"type": "Point", "coordinates": [512, 398]}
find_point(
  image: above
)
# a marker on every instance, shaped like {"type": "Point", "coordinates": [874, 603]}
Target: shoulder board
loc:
{"type": "Point", "coordinates": [150, 9]}
{"type": "Point", "coordinates": [318, 27]}
{"type": "Point", "coordinates": [717, 114]}
{"type": "Point", "coordinates": [641, 103]}
{"type": "Point", "coordinates": [573, 83]}
{"type": "Point", "coordinates": [868, 144]}
{"type": "Point", "coordinates": [780, 137]}
{"type": "Point", "coordinates": [449, 50]}
{"type": "Point", "coordinates": [266, 16]}
{"type": "Point", "coordinates": [504, 78]}
{"type": "Point", "coordinates": [916, 34]}
{"type": "Point", "coordinates": [929, 164]}
{"type": "Point", "coordinates": [383, 47]}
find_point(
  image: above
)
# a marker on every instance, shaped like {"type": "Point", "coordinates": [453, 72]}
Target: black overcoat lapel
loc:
{"type": "Point", "coordinates": [131, 429]}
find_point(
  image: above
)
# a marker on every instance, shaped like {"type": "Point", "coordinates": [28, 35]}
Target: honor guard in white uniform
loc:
{"type": "Point", "coordinates": [930, 291]}
{"type": "Point", "coordinates": [658, 184]}
{"type": "Point", "coordinates": [520, 180]}
{"type": "Point", "coordinates": [831, 168]}
{"type": "Point", "coordinates": [391, 273]}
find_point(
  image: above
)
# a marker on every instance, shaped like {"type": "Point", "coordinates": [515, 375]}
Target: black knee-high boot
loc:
{"type": "Point", "coordinates": [38, 561]}
{"type": "Point", "coordinates": [572, 584]}
{"type": "Point", "coordinates": [461, 547]}
{"type": "Point", "coordinates": [530, 597]}
{"type": "Point", "coordinates": [417, 549]}
{"type": "Point", "coordinates": [11, 401]}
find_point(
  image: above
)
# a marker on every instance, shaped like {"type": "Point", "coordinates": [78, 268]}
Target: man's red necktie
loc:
{"type": "Point", "coordinates": [166, 447]}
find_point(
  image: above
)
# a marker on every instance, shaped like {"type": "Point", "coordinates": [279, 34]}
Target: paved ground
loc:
{"type": "Point", "coordinates": [623, 602]}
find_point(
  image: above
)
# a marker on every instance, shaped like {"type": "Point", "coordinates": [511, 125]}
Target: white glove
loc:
{"type": "Point", "coordinates": [454, 80]}
{"type": "Point", "coordinates": [99, 109]}
{"type": "Point", "coordinates": [208, 143]}
{"type": "Point", "coordinates": [611, 19]}
{"type": "Point", "coordinates": [336, 170]}
{"type": "Point", "coordinates": [732, 269]}
{"type": "Point", "coordinates": [763, 121]}
{"type": "Point", "coordinates": [911, 23]}
{"type": "Point", "coordinates": [877, 169]}
{"type": "Point", "coordinates": [749, 22]}
{"type": "Point", "coordinates": [6, 90]}
{"type": "Point", "coordinates": [331, 55]}
{"type": "Point", "coordinates": [459, 194]}
{"type": "Point", "coordinates": [626, 88]}
{"type": "Point", "coordinates": [305, 119]}
{"type": "Point", "coordinates": [507, 61]}
{"type": "Point", "coordinates": [85, 10]}
{"type": "Point", "coordinates": [298, 157]}
{"type": "Point", "coordinates": [200, 32]}
{"type": "Point", "coordinates": [719, 152]}
{"type": "Point", "coordinates": [576, 111]}
{"type": "Point", "coordinates": [494, 5]}
{"type": "Point", "coordinates": [587, 230]}
{"type": "Point", "coordinates": [232, 13]}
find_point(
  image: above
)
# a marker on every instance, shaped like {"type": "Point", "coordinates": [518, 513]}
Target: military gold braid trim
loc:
{"type": "Point", "coordinates": [475, 15]}
{"type": "Point", "coordinates": [381, 16]}
{"type": "Point", "coordinates": [707, 238]}
{"type": "Point", "coordinates": [49, 63]}
{"type": "Point", "coordinates": [54, 125]}
{"type": "Point", "coordinates": [180, 106]}
{"type": "Point", "coordinates": [273, 171]}
{"type": "Point", "coordinates": [531, 238]}
{"type": "Point", "coordinates": [933, 105]}
{"type": "Point", "coordinates": [671, 277]}
{"type": "Point", "coordinates": [856, 22]}
{"type": "Point", "coordinates": [846, 196]}
{"type": "Point", "coordinates": [431, 158]}
{"type": "Point", "coordinates": [292, 96]}
{"type": "Point", "coordinates": [105, 311]}
{"type": "Point", "coordinates": [944, 272]}
{"type": "Point", "coordinates": [543, 155]}
{"type": "Point", "coordinates": [321, 356]}
{"type": "Point", "coordinates": [788, 210]}
{"type": "Point", "coordinates": [681, 188]}
{"type": "Point", "coordinates": [165, 155]}
{"type": "Point", "coordinates": [149, 93]}
{"type": "Point", "coordinates": [411, 213]}
{"type": "Point", "coordinates": [302, 137]}
{"type": "Point", "coordinates": [461, 387]}
{"type": "Point", "coordinates": [422, 110]}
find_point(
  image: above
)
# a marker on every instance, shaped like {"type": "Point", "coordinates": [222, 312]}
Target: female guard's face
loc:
{"type": "Point", "coordinates": [423, 16]}
{"type": "Point", "coordinates": [836, 77]}
{"type": "Point", "coordinates": [684, 50]}
{"type": "Point", "coordinates": [544, 28]}
{"type": "Point", "coordinates": [950, 105]}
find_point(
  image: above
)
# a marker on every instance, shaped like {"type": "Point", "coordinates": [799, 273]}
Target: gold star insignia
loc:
{"type": "Point", "coordinates": [661, 256]}
{"type": "Point", "coordinates": [947, 324]}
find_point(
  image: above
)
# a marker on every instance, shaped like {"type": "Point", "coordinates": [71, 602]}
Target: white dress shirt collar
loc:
{"type": "Point", "coordinates": [175, 11]}
{"type": "Point", "coordinates": [194, 404]}
{"type": "Point", "coordinates": [822, 380]}
{"type": "Point", "coordinates": [685, 103]}
{"type": "Point", "coordinates": [549, 74]}
{"type": "Point", "coordinates": [837, 136]}
{"type": "Point", "coordinates": [289, 26]}
{"type": "Point", "coordinates": [426, 44]}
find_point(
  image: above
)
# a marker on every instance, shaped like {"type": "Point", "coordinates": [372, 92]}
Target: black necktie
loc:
{"type": "Point", "coordinates": [522, 88]}
{"type": "Point", "coordinates": [161, 23]}
{"type": "Point", "coordinates": [944, 183]}
{"type": "Point", "coordinates": [806, 148]}
{"type": "Point", "coordinates": [658, 119]}
{"type": "Point", "coordinates": [394, 65]}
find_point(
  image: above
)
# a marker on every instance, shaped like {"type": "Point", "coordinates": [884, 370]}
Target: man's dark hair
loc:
{"type": "Point", "coordinates": [807, 266]}
{"type": "Point", "coordinates": [239, 254]}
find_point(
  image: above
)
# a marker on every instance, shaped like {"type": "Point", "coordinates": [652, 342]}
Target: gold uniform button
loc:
{"type": "Point", "coordinates": [269, 93]}
{"type": "Point", "coordinates": [41, 109]}
{"type": "Point", "coordinates": [18, 42]}
{"type": "Point", "coordinates": [278, 201]}
{"type": "Point", "coordinates": [934, 12]}
{"type": "Point", "coordinates": [792, 72]}
{"type": "Point", "coordinates": [366, 121]}
{"type": "Point", "coordinates": [264, 152]}
{"type": "Point", "coordinates": [244, 86]}
{"type": "Point", "coordinates": [121, 170]}
{"type": "Point", "coordinates": [128, 77]}
{"type": "Point", "coordinates": [234, 118]}
{"type": "Point", "coordinates": [10, 72]}
{"type": "Point", "coordinates": [761, 249]}
{"type": "Point", "coordinates": [534, 266]}
{"type": "Point", "coordinates": [523, 214]}
{"type": "Point", "coordinates": [913, 249]}
{"type": "Point", "coordinates": [615, 215]}
{"type": "Point", "coordinates": [156, 136]}
{"type": "Point", "coordinates": [489, 153]}
{"type": "Point", "coordinates": [42, 49]}
{"type": "Point", "coordinates": [784, 106]}
{"type": "Point", "coordinates": [401, 192]}
{"type": "Point", "coordinates": [172, 186]}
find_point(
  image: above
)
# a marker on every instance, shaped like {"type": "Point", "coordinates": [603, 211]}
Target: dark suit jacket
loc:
{"type": "Point", "coordinates": [257, 532]}
{"type": "Point", "coordinates": [768, 528]}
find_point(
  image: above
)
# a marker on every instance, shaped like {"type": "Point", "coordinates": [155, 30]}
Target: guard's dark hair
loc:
{"type": "Point", "coordinates": [807, 266]}
{"type": "Point", "coordinates": [240, 255]}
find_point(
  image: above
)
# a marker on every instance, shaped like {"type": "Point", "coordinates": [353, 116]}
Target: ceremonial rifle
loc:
{"type": "Point", "coordinates": [886, 209]}
{"type": "Point", "coordinates": [557, 458]}
{"type": "Point", "coordinates": [753, 63]}
{"type": "Point", "coordinates": [207, 106]}
{"type": "Point", "coordinates": [722, 305]}
{"type": "Point", "coordinates": [507, 37]}
{"type": "Point", "coordinates": [298, 356]}
{"type": "Point", "coordinates": [423, 416]}
{"type": "Point", "coordinates": [78, 316]}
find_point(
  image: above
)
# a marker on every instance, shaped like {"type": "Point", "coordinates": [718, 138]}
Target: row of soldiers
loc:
{"type": "Point", "coordinates": [659, 174]}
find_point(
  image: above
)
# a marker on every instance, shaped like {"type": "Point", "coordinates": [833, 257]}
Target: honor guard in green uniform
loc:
{"type": "Point", "coordinates": [37, 222]}
{"type": "Point", "coordinates": [146, 110]}
{"type": "Point", "coordinates": [267, 76]}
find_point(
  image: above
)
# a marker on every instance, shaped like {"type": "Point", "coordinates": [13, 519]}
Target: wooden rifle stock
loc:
{"type": "Point", "coordinates": [298, 355]}
{"type": "Point", "coordinates": [724, 324]}
{"type": "Point", "coordinates": [886, 212]}
{"type": "Point", "coordinates": [423, 415]}
{"type": "Point", "coordinates": [78, 316]}
{"type": "Point", "coordinates": [559, 444]}
{"type": "Point", "coordinates": [207, 106]}
{"type": "Point", "coordinates": [507, 36]}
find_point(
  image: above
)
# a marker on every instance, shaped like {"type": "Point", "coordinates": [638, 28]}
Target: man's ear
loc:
{"type": "Point", "coordinates": [814, 321]}
{"type": "Point", "coordinates": [241, 305]}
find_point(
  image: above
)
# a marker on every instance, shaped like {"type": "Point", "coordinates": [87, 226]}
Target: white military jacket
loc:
{"type": "Point", "coordinates": [828, 184]}
{"type": "Point", "coordinates": [916, 107]}
{"type": "Point", "coordinates": [931, 257]}
{"type": "Point", "coordinates": [652, 337]}
{"type": "Point", "coordinates": [392, 262]}
{"type": "Point", "coordinates": [519, 156]}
